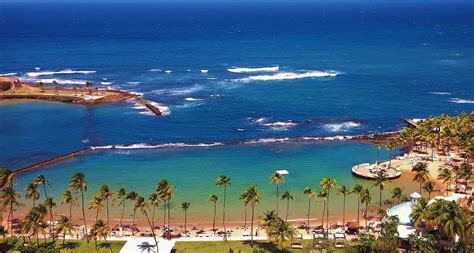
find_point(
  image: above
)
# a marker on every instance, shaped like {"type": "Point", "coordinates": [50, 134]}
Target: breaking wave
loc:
{"type": "Point", "coordinates": [8, 74]}
{"type": "Point", "coordinates": [62, 72]}
{"type": "Point", "coordinates": [289, 76]}
{"type": "Point", "coordinates": [158, 146]}
{"type": "Point", "coordinates": [341, 127]}
{"type": "Point", "coordinates": [253, 70]}
{"type": "Point", "coordinates": [193, 99]}
{"type": "Point", "coordinates": [179, 91]}
{"type": "Point", "coordinates": [461, 101]}
{"type": "Point", "coordinates": [56, 80]}
{"type": "Point", "coordinates": [440, 93]}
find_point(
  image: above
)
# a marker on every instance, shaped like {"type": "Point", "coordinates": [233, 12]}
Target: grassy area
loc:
{"type": "Point", "coordinates": [237, 246]}
{"type": "Point", "coordinates": [76, 246]}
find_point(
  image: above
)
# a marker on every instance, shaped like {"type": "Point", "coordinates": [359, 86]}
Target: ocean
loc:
{"type": "Point", "coordinates": [242, 74]}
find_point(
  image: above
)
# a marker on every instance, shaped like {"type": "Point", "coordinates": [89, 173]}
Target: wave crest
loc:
{"type": "Point", "coordinates": [62, 72]}
{"type": "Point", "coordinates": [290, 76]}
{"type": "Point", "coordinates": [253, 70]}
{"type": "Point", "coordinates": [341, 127]}
{"type": "Point", "coordinates": [461, 101]}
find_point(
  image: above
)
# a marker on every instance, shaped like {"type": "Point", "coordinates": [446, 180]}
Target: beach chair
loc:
{"type": "Point", "coordinates": [339, 240]}
{"type": "Point", "coordinates": [297, 243]}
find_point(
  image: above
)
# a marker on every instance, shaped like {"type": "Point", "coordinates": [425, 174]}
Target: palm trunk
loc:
{"type": "Point", "coordinates": [251, 227]}
{"type": "Point", "coordinates": [133, 221]}
{"type": "Point", "coordinates": [287, 209]}
{"type": "Point", "coordinates": [169, 224]}
{"type": "Point", "coordinates": [366, 214]}
{"type": "Point", "coordinates": [324, 210]}
{"type": "Point", "coordinates": [123, 211]}
{"type": "Point", "coordinates": [97, 215]}
{"type": "Point", "coordinates": [70, 211]}
{"type": "Point", "coordinates": [344, 212]}
{"type": "Point", "coordinates": [421, 193]}
{"type": "Point", "coordinates": [11, 219]}
{"type": "Point", "coordinates": [309, 210]}
{"type": "Point", "coordinates": [277, 199]}
{"type": "Point", "coordinates": [214, 221]}
{"type": "Point", "coordinates": [185, 220]}
{"type": "Point", "coordinates": [107, 203]}
{"type": "Point", "coordinates": [153, 217]}
{"type": "Point", "coordinates": [327, 213]}
{"type": "Point", "coordinates": [152, 230]}
{"type": "Point", "coordinates": [83, 211]}
{"type": "Point", "coordinates": [223, 213]}
{"type": "Point", "coordinates": [52, 223]}
{"type": "Point", "coordinates": [164, 214]}
{"type": "Point", "coordinates": [245, 217]}
{"type": "Point", "coordinates": [358, 210]}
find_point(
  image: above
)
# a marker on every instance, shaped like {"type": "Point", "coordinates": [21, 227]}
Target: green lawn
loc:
{"type": "Point", "coordinates": [81, 246]}
{"type": "Point", "coordinates": [236, 246]}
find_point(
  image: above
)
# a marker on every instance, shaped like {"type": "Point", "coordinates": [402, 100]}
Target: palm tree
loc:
{"type": "Point", "coordinates": [10, 198]}
{"type": "Point", "coordinates": [281, 231]}
{"type": "Point", "coordinates": [70, 200]}
{"type": "Point", "coordinates": [391, 146]}
{"type": "Point", "coordinates": [429, 188]}
{"type": "Point", "coordinates": [161, 189]}
{"type": "Point", "coordinates": [3, 232]}
{"type": "Point", "coordinates": [138, 204]}
{"type": "Point", "coordinates": [64, 226]}
{"type": "Point", "coordinates": [328, 183]}
{"type": "Point", "coordinates": [49, 203]}
{"type": "Point", "coordinates": [397, 193]}
{"type": "Point", "coordinates": [420, 212]}
{"type": "Point", "coordinates": [224, 181]}
{"type": "Point", "coordinates": [447, 177]}
{"type": "Point", "coordinates": [323, 194]}
{"type": "Point", "coordinates": [78, 182]}
{"type": "Point", "coordinates": [97, 203]}
{"type": "Point", "coordinates": [267, 219]}
{"type": "Point", "coordinates": [422, 174]}
{"type": "Point", "coordinates": [379, 181]}
{"type": "Point", "coordinates": [451, 219]}
{"type": "Point", "coordinates": [101, 230]}
{"type": "Point", "coordinates": [311, 194]}
{"type": "Point", "coordinates": [365, 198]}
{"type": "Point", "coordinates": [154, 201]}
{"type": "Point", "coordinates": [377, 147]}
{"type": "Point", "coordinates": [185, 206]}
{"type": "Point", "coordinates": [277, 179]}
{"type": "Point", "coordinates": [144, 207]}
{"type": "Point", "coordinates": [132, 196]}
{"type": "Point", "coordinates": [168, 196]}
{"type": "Point", "coordinates": [32, 192]}
{"type": "Point", "coordinates": [357, 189]}
{"type": "Point", "coordinates": [122, 196]}
{"type": "Point", "coordinates": [7, 178]}
{"type": "Point", "coordinates": [40, 179]}
{"type": "Point", "coordinates": [106, 193]}
{"type": "Point", "coordinates": [213, 198]}
{"type": "Point", "coordinates": [251, 196]}
{"type": "Point", "coordinates": [344, 191]}
{"type": "Point", "coordinates": [287, 195]}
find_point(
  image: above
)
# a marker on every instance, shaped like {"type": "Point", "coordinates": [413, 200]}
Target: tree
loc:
{"type": "Point", "coordinates": [281, 231]}
{"type": "Point", "coordinates": [161, 189]}
{"type": "Point", "coordinates": [3, 232]}
{"type": "Point", "coordinates": [168, 196]}
{"type": "Point", "coordinates": [277, 179]}
{"type": "Point", "coordinates": [365, 199]}
{"type": "Point", "coordinates": [101, 230]}
{"type": "Point", "coordinates": [106, 193]}
{"type": "Point", "coordinates": [365, 242]}
{"type": "Point", "coordinates": [122, 198]}
{"type": "Point", "coordinates": [132, 196]}
{"type": "Point", "coordinates": [391, 146]}
{"type": "Point", "coordinates": [422, 174]}
{"type": "Point", "coordinates": [267, 219]}
{"type": "Point", "coordinates": [423, 243]}
{"type": "Point", "coordinates": [287, 195]}
{"type": "Point", "coordinates": [144, 207]}
{"type": "Point", "coordinates": [41, 180]}
{"type": "Point", "coordinates": [344, 191]}
{"type": "Point", "coordinates": [78, 183]}
{"type": "Point", "coordinates": [185, 206]}
{"type": "Point", "coordinates": [139, 202]}
{"type": "Point", "coordinates": [357, 189]}
{"type": "Point", "coordinates": [429, 188]}
{"type": "Point", "coordinates": [154, 201]}
{"type": "Point", "coordinates": [397, 193]}
{"type": "Point", "coordinates": [7, 178]}
{"type": "Point", "coordinates": [328, 184]}
{"type": "Point", "coordinates": [388, 237]}
{"type": "Point", "coordinates": [380, 178]}
{"type": "Point", "coordinates": [224, 181]}
{"type": "Point", "coordinates": [420, 213]}
{"type": "Point", "coordinates": [64, 226]}
{"type": "Point", "coordinates": [447, 177]}
{"type": "Point", "coordinates": [32, 192]}
{"type": "Point", "coordinates": [49, 203]}
{"type": "Point", "coordinates": [450, 218]}
{"type": "Point", "coordinates": [10, 199]}
{"type": "Point", "coordinates": [70, 200]}
{"type": "Point", "coordinates": [213, 198]}
{"type": "Point", "coordinates": [323, 194]}
{"type": "Point", "coordinates": [97, 203]}
{"type": "Point", "coordinates": [311, 194]}
{"type": "Point", "coordinates": [253, 197]}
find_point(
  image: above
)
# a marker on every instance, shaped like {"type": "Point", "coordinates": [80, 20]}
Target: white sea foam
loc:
{"type": "Point", "coordinates": [253, 70]}
{"type": "Point", "coordinates": [461, 101]}
{"type": "Point", "coordinates": [179, 91]}
{"type": "Point", "coordinates": [157, 146]}
{"type": "Point", "coordinates": [154, 70]}
{"type": "Point", "coordinates": [260, 120]}
{"type": "Point", "coordinates": [106, 83]}
{"type": "Point", "coordinates": [341, 127]}
{"type": "Point", "coordinates": [165, 110]}
{"type": "Point", "coordinates": [62, 72]}
{"type": "Point", "coordinates": [289, 76]}
{"type": "Point", "coordinates": [211, 78]}
{"type": "Point", "coordinates": [134, 83]}
{"type": "Point", "coordinates": [280, 124]}
{"type": "Point", "coordinates": [204, 71]}
{"type": "Point", "coordinates": [193, 99]}
{"type": "Point", "coordinates": [59, 81]}
{"type": "Point", "coordinates": [8, 74]}
{"type": "Point", "coordinates": [168, 71]}
{"type": "Point", "coordinates": [440, 93]}
{"type": "Point", "coordinates": [37, 68]}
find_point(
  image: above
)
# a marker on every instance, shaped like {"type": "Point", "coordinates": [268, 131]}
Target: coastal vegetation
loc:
{"type": "Point", "coordinates": [435, 220]}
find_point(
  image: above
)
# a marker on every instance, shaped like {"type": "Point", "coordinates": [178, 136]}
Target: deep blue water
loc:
{"type": "Point", "coordinates": [393, 61]}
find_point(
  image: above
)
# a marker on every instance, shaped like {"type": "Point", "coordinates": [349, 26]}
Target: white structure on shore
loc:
{"type": "Point", "coordinates": [403, 212]}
